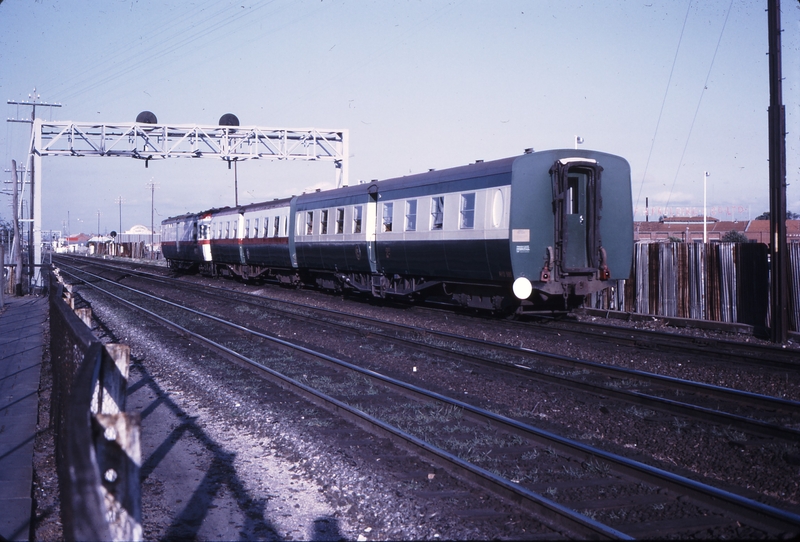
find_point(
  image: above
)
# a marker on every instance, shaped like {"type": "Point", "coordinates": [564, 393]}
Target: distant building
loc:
{"type": "Point", "coordinates": [690, 230]}
{"type": "Point", "coordinates": [140, 234]}
{"type": "Point", "coordinates": [77, 243]}
{"type": "Point", "coordinates": [78, 239]}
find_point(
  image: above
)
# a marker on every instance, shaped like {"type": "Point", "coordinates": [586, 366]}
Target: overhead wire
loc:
{"type": "Point", "coordinates": [375, 54]}
{"type": "Point", "coordinates": [121, 53]}
{"type": "Point", "coordinates": [206, 27]}
{"type": "Point", "coordinates": [697, 109]}
{"type": "Point", "coordinates": [663, 102]}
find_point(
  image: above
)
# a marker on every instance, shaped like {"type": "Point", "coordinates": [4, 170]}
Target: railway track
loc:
{"type": "Point", "coordinates": [632, 497]}
{"type": "Point", "coordinates": [773, 357]}
{"type": "Point", "coordinates": [754, 413]}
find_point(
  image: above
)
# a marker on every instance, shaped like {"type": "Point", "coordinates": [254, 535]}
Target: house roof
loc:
{"type": "Point", "coordinates": [687, 219]}
{"type": "Point", "coordinates": [78, 238]}
{"type": "Point", "coordinates": [749, 226]}
{"type": "Point", "coordinates": [792, 226]}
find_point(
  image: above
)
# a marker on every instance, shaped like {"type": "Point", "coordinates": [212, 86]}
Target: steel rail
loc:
{"type": "Point", "coordinates": [766, 515]}
{"type": "Point", "coordinates": [745, 353]}
{"type": "Point", "coordinates": [669, 405]}
{"type": "Point", "coordinates": [552, 513]}
{"type": "Point", "coordinates": [751, 425]}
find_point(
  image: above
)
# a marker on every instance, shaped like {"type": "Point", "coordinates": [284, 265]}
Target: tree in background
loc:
{"type": "Point", "coordinates": [734, 236]}
{"type": "Point", "coordinates": [790, 215]}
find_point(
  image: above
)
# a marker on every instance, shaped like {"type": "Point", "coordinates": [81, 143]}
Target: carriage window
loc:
{"type": "Point", "coordinates": [467, 211]}
{"type": "Point", "coordinates": [437, 212]}
{"type": "Point", "coordinates": [235, 229]}
{"type": "Point", "coordinates": [276, 228]}
{"type": "Point", "coordinates": [388, 208]}
{"type": "Point", "coordinates": [309, 222]}
{"type": "Point", "coordinates": [255, 228]}
{"type": "Point", "coordinates": [285, 225]}
{"type": "Point", "coordinates": [340, 220]}
{"type": "Point", "coordinates": [411, 215]}
{"type": "Point", "coordinates": [228, 229]}
{"type": "Point", "coordinates": [357, 219]}
{"type": "Point", "coordinates": [247, 228]}
{"type": "Point", "coordinates": [323, 227]}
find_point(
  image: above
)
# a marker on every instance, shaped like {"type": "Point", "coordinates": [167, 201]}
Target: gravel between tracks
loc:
{"type": "Point", "coordinates": [711, 453]}
{"type": "Point", "coordinates": [227, 456]}
{"type": "Point", "coordinates": [336, 488]}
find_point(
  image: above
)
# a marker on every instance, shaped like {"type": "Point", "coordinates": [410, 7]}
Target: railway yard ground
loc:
{"type": "Point", "coordinates": [229, 454]}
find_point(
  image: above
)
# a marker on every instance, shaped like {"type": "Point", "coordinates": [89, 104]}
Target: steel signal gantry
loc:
{"type": "Point", "coordinates": [160, 141]}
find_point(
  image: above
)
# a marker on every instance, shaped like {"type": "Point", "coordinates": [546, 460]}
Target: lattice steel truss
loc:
{"type": "Point", "coordinates": [161, 141]}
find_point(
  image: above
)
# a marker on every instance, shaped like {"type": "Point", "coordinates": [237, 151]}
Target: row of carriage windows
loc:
{"type": "Point", "coordinates": [271, 228]}
{"type": "Point", "coordinates": [467, 217]}
{"type": "Point", "coordinates": [338, 224]}
{"type": "Point", "coordinates": [334, 221]}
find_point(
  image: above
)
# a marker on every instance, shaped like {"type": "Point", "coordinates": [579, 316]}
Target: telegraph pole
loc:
{"type": "Point", "coordinates": [779, 260]}
{"type": "Point", "coordinates": [17, 238]}
{"type": "Point", "coordinates": [34, 233]}
{"type": "Point", "coordinates": [119, 200]}
{"type": "Point", "coordinates": [236, 183]}
{"type": "Point", "coordinates": [32, 102]}
{"type": "Point", "coordinates": [119, 233]}
{"type": "Point", "coordinates": [152, 186]}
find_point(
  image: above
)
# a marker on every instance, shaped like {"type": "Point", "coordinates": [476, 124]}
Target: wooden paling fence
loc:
{"type": "Point", "coordinates": [98, 452]}
{"type": "Point", "coordinates": [794, 285]}
{"type": "Point", "coordinates": [724, 282]}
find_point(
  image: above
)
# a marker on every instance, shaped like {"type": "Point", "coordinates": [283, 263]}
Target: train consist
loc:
{"type": "Point", "coordinates": [538, 231]}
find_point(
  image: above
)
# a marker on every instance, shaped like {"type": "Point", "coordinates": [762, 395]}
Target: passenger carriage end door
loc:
{"type": "Point", "coordinates": [575, 188]}
{"type": "Point", "coordinates": [575, 246]}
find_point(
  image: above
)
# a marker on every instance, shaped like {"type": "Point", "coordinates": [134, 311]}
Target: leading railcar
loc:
{"type": "Point", "coordinates": [536, 231]}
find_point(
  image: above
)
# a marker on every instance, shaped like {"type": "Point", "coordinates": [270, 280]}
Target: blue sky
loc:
{"type": "Point", "coordinates": [677, 88]}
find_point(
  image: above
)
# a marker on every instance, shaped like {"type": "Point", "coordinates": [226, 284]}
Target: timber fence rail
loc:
{"type": "Point", "coordinates": [98, 452]}
{"type": "Point", "coordinates": [722, 282]}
